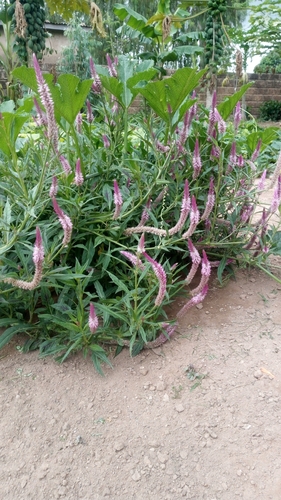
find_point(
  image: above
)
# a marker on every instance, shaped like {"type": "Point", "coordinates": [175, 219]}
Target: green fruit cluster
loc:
{"type": "Point", "coordinates": [214, 34]}
{"type": "Point", "coordinates": [35, 33]}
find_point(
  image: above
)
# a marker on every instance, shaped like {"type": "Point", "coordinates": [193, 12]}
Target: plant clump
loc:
{"type": "Point", "coordinates": [107, 216]}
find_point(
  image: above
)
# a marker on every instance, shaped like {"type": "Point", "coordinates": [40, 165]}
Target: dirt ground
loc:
{"type": "Point", "coordinates": [198, 418]}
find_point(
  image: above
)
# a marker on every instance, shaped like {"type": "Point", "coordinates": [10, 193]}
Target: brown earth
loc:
{"type": "Point", "coordinates": [199, 418]}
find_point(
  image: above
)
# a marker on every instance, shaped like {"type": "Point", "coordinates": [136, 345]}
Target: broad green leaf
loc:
{"type": "Point", "coordinates": [180, 51]}
{"type": "Point", "coordinates": [69, 95]}
{"type": "Point", "coordinates": [8, 106]}
{"type": "Point", "coordinates": [172, 92]}
{"type": "Point", "coordinates": [226, 107]}
{"type": "Point", "coordinates": [133, 19]}
{"type": "Point", "coordinates": [113, 86]}
{"type": "Point", "coordinates": [267, 136]}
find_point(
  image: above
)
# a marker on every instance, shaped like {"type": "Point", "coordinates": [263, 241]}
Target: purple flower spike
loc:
{"type": "Point", "coordinates": [193, 302]}
{"type": "Point", "coordinates": [111, 67]}
{"type": "Point", "coordinates": [194, 219]}
{"type": "Point", "coordinates": [240, 161]}
{"type": "Point", "coordinates": [38, 252]}
{"type": "Point", "coordinates": [196, 161]}
{"type": "Point", "coordinates": [96, 86]}
{"type": "Point", "coordinates": [106, 142]}
{"type": "Point", "coordinates": [237, 115]}
{"type": "Point", "coordinates": [54, 187]}
{"type": "Point", "coordinates": [210, 201]}
{"type": "Point", "coordinates": [205, 274]}
{"type": "Point", "coordinates": [133, 259]}
{"type": "Point", "coordinates": [78, 121]}
{"type": "Point", "coordinates": [141, 245]}
{"type": "Point", "coordinates": [38, 259]}
{"type": "Point", "coordinates": [65, 222]}
{"type": "Point", "coordinates": [257, 151]}
{"type": "Point", "coordinates": [90, 116]}
{"type": "Point", "coordinates": [65, 165]}
{"type": "Point", "coordinates": [196, 259]}
{"type": "Point", "coordinates": [41, 116]}
{"type": "Point", "coordinates": [47, 101]}
{"type": "Point", "coordinates": [145, 214]}
{"type": "Point", "coordinates": [276, 196]}
{"type": "Point", "coordinates": [93, 319]}
{"type": "Point", "coordinates": [118, 201]}
{"type": "Point", "coordinates": [161, 276]}
{"type": "Point", "coordinates": [78, 179]}
{"type": "Point", "coordinates": [261, 183]}
{"type": "Point", "coordinates": [185, 208]}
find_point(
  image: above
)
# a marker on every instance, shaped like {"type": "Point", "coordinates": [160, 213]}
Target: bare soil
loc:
{"type": "Point", "coordinates": [199, 418]}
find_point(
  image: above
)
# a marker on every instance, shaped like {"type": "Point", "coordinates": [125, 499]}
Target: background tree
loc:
{"type": "Point", "coordinates": [271, 63]}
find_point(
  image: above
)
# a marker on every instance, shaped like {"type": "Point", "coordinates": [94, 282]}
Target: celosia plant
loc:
{"type": "Point", "coordinates": [94, 185]}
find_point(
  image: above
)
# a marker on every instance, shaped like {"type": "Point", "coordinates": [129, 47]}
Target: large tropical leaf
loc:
{"type": "Point", "coordinates": [227, 106]}
{"type": "Point", "coordinates": [168, 96]}
{"type": "Point", "coordinates": [133, 19]}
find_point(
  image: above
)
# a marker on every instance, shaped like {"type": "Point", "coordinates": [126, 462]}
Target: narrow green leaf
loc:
{"type": "Point", "coordinates": [226, 107]}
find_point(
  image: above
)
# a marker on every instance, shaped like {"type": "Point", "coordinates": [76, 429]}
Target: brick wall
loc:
{"type": "Point", "coordinates": [265, 88]}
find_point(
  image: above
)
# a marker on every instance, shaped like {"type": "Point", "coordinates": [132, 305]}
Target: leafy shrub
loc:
{"type": "Point", "coordinates": [80, 192]}
{"type": "Point", "coordinates": [270, 110]}
{"type": "Point", "coordinates": [271, 63]}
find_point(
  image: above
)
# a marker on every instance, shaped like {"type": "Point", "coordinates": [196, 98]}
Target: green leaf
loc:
{"type": "Point", "coordinates": [172, 92]}
{"type": "Point", "coordinates": [69, 95]}
{"type": "Point", "coordinates": [99, 355]}
{"type": "Point", "coordinates": [227, 106]}
{"type": "Point", "coordinates": [178, 52]}
{"type": "Point", "coordinates": [133, 19]}
{"type": "Point", "coordinates": [111, 312]}
{"type": "Point", "coordinates": [121, 285]}
{"type": "Point", "coordinates": [13, 330]}
{"type": "Point", "coordinates": [113, 86]}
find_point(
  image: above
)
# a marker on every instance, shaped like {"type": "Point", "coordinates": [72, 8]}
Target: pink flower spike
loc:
{"type": "Point", "coordinates": [111, 67]}
{"type": "Point", "coordinates": [54, 187]}
{"type": "Point", "coordinates": [210, 201]}
{"type": "Point", "coordinates": [196, 259]}
{"type": "Point", "coordinates": [133, 259]}
{"type": "Point", "coordinates": [237, 115]}
{"type": "Point", "coordinates": [205, 274]}
{"type": "Point", "coordinates": [93, 319]}
{"type": "Point", "coordinates": [141, 245]}
{"type": "Point", "coordinates": [193, 302]}
{"type": "Point", "coordinates": [240, 161]}
{"type": "Point", "coordinates": [257, 151]}
{"type": "Point", "coordinates": [196, 161]}
{"type": "Point", "coordinates": [65, 222]}
{"type": "Point", "coordinates": [194, 219]}
{"type": "Point", "coordinates": [106, 142]}
{"type": "Point", "coordinates": [96, 86]}
{"type": "Point", "coordinates": [47, 101]}
{"type": "Point", "coordinates": [161, 276]}
{"type": "Point", "coordinates": [78, 179]}
{"type": "Point", "coordinates": [185, 208]}
{"type": "Point", "coordinates": [145, 214]}
{"type": "Point", "coordinates": [65, 165]}
{"type": "Point", "coordinates": [118, 201]}
{"type": "Point", "coordinates": [78, 121]}
{"type": "Point", "coordinates": [38, 252]}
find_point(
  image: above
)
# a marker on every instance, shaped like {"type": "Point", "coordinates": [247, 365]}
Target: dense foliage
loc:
{"type": "Point", "coordinates": [107, 217]}
{"type": "Point", "coordinates": [270, 110]}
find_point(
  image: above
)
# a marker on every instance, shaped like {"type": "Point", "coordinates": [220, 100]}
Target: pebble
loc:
{"type": "Point", "coordinates": [258, 374]}
{"type": "Point", "coordinates": [239, 473]}
{"type": "Point", "coordinates": [183, 454]}
{"type": "Point", "coordinates": [162, 457]}
{"type": "Point", "coordinates": [199, 306]}
{"type": "Point", "coordinates": [161, 386]}
{"type": "Point", "coordinates": [166, 398]}
{"type": "Point", "coordinates": [143, 370]}
{"type": "Point", "coordinates": [119, 446]}
{"type": "Point", "coordinates": [179, 408]}
{"type": "Point", "coordinates": [136, 476]}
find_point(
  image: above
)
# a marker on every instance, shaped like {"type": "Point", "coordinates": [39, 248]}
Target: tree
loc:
{"type": "Point", "coordinates": [271, 63]}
